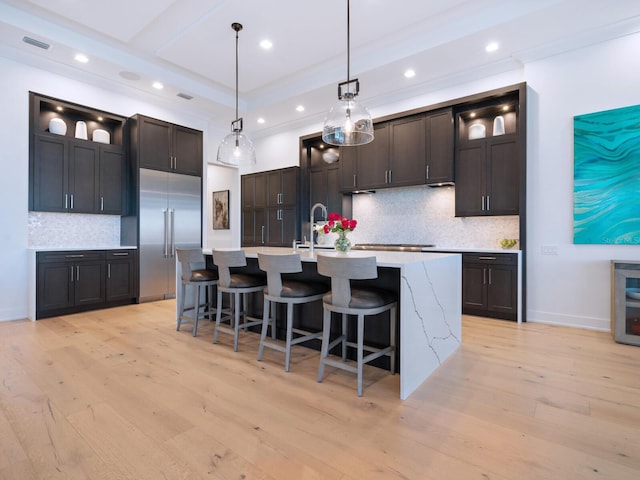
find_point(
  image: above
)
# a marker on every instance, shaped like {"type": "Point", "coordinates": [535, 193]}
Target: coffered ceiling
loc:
{"type": "Point", "coordinates": [189, 46]}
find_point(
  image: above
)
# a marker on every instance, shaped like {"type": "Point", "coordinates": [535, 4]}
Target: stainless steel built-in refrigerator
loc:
{"type": "Point", "coordinates": [170, 218]}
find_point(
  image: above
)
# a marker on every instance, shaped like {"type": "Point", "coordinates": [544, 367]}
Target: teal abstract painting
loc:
{"type": "Point", "coordinates": [606, 189]}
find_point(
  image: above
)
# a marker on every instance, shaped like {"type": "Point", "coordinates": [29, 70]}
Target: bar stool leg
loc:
{"type": "Point", "coordinates": [181, 307]}
{"type": "Point", "coordinates": [196, 308]}
{"type": "Point", "coordinates": [236, 328]}
{"type": "Point", "coordinates": [287, 351]}
{"type": "Point", "coordinates": [344, 337]}
{"type": "Point", "coordinates": [326, 330]}
{"type": "Point", "coordinates": [274, 306]}
{"type": "Point", "coordinates": [360, 351]}
{"type": "Point", "coordinates": [218, 316]}
{"type": "Point", "coordinates": [265, 324]}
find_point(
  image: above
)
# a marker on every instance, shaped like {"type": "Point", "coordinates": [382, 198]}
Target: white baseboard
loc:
{"type": "Point", "coordinates": [9, 314]}
{"type": "Point", "coordinates": [550, 318]}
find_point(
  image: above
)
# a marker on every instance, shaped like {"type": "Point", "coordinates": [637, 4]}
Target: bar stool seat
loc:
{"type": "Point", "coordinates": [237, 285]}
{"type": "Point", "coordinates": [195, 273]}
{"type": "Point", "coordinates": [289, 292]}
{"type": "Point", "coordinates": [359, 302]}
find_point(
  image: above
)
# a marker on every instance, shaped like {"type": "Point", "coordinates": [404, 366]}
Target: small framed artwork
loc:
{"type": "Point", "coordinates": [221, 210]}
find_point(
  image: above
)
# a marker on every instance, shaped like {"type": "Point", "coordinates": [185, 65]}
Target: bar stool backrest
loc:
{"type": "Point", "coordinates": [342, 270]}
{"type": "Point", "coordinates": [275, 265]}
{"type": "Point", "coordinates": [190, 259]}
{"type": "Point", "coordinates": [225, 259]}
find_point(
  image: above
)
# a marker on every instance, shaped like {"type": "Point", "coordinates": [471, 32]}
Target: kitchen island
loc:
{"type": "Point", "coordinates": [429, 292]}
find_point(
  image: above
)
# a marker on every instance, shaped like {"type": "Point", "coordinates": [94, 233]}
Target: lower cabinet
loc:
{"type": "Point", "coordinates": [490, 285]}
{"type": "Point", "coordinates": [75, 281]}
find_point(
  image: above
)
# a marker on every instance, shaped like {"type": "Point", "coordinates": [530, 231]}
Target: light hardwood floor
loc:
{"type": "Point", "coordinates": [119, 394]}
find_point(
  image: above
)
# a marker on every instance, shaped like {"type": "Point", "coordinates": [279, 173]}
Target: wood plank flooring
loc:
{"type": "Point", "coordinates": [119, 394]}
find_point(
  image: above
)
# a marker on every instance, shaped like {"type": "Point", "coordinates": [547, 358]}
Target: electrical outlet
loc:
{"type": "Point", "coordinates": [549, 250]}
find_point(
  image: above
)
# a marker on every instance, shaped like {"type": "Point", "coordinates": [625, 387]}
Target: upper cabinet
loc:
{"type": "Point", "coordinates": [77, 161]}
{"type": "Point", "coordinates": [439, 147]}
{"type": "Point", "coordinates": [160, 145]}
{"type": "Point", "coordinates": [413, 150]}
{"type": "Point", "coordinates": [488, 157]}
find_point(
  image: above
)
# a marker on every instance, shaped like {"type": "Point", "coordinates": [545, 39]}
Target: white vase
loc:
{"type": "Point", "coordinates": [57, 126]}
{"type": "Point", "coordinates": [81, 130]}
{"type": "Point", "coordinates": [498, 125]}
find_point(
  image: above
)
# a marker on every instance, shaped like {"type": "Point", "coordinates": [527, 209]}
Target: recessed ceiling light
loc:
{"type": "Point", "coordinates": [492, 47]}
{"type": "Point", "coordinates": [300, 108]}
{"type": "Point", "coordinates": [266, 44]}
{"type": "Point", "coordinates": [59, 108]}
{"type": "Point", "coordinates": [261, 120]}
{"type": "Point", "coordinates": [158, 85]}
{"type": "Point", "coordinates": [100, 119]}
{"type": "Point", "coordinates": [81, 57]}
{"type": "Point", "coordinates": [410, 73]}
{"type": "Point", "coordinates": [472, 114]}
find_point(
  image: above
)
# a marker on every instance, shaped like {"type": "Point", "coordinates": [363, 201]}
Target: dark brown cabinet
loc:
{"type": "Point", "coordinates": [160, 145]}
{"type": "Point", "coordinates": [121, 275]}
{"type": "Point", "coordinates": [270, 214]}
{"type": "Point", "coordinates": [400, 153]}
{"type": "Point", "coordinates": [74, 175]}
{"type": "Point", "coordinates": [487, 165]}
{"type": "Point", "coordinates": [490, 285]}
{"type": "Point", "coordinates": [75, 281]}
{"type": "Point", "coordinates": [439, 147]}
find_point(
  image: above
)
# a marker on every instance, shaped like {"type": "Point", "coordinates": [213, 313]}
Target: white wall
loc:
{"type": "Point", "coordinates": [574, 287]}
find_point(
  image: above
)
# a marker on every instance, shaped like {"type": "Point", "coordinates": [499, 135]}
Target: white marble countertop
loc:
{"type": "Point", "coordinates": [383, 258]}
{"type": "Point", "coordinates": [88, 247]}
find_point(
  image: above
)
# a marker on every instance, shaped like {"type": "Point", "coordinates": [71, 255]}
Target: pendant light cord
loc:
{"type": "Point", "coordinates": [348, 45]}
{"type": "Point", "coordinates": [237, 30]}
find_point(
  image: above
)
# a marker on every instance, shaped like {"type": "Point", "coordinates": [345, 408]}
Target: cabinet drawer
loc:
{"type": "Point", "coordinates": [492, 258]}
{"type": "Point", "coordinates": [119, 254]}
{"type": "Point", "coordinates": [71, 256]}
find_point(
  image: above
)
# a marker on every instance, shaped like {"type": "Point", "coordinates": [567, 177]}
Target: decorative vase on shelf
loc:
{"type": "Point", "coordinates": [342, 243]}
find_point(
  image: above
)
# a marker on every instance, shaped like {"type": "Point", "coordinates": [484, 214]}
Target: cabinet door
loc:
{"type": "Point", "coordinates": [260, 192]}
{"type": "Point", "coordinates": [120, 283]}
{"type": "Point", "coordinates": [247, 190]}
{"type": "Point", "coordinates": [50, 174]}
{"type": "Point", "coordinates": [289, 186]}
{"type": "Point", "coordinates": [248, 227]}
{"type": "Point", "coordinates": [347, 165]}
{"type": "Point", "coordinates": [470, 180]}
{"type": "Point", "coordinates": [260, 222]}
{"type": "Point", "coordinates": [439, 147]}
{"type": "Point", "coordinates": [55, 285]}
{"type": "Point", "coordinates": [89, 283]}
{"type": "Point", "coordinates": [503, 176]}
{"type": "Point", "coordinates": [281, 227]}
{"type": "Point", "coordinates": [112, 187]}
{"type": "Point", "coordinates": [274, 188]}
{"type": "Point", "coordinates": [502, 290]}
{"type": "Point", "coordinates": [155, 143]}
{"type": "Point", "coordinates": [474, 292]}
{"type": "Point", "coordinates": [83, 177]}
{"type": "Point", "coordinates": [187, 150]}
{"type": "Point", "coordinates": [373, 160]}
{"type": "Point", "coordinates": [407, 163]}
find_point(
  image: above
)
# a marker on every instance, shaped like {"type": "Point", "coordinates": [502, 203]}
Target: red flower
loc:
{"type": "Point", "coordinates": [337, 223]}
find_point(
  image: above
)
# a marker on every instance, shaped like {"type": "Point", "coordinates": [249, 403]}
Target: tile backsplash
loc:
{"type": "Point", "coordinates": [73, 230]}
{"type": "Point", "coordinates": [424, 215]}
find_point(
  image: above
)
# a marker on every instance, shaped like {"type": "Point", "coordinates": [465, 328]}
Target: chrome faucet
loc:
{"type": "Point", "coordinates": [311, 220]}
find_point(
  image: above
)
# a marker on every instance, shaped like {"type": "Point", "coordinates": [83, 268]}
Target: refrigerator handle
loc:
{"type": "Point", "coordinates": [166, 233]}
{"type": "Point", "coordinates": [172, 213]}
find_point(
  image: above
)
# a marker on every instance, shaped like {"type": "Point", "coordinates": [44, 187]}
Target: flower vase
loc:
{"type": "Point", "coordinates": [342, 243]}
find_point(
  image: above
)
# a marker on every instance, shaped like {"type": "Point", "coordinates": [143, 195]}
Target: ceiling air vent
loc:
{"type": "Point", "coordinates": [185, 96]}
{"type": "Point", "coordinates": [36, 43]}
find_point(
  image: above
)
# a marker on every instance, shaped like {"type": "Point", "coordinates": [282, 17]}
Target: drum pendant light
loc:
{"type": "Point", "coordinates": [236, 149]}
{"type": "Point", "coordinates": [348, 123]}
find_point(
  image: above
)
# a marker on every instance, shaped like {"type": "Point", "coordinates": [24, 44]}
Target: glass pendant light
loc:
{"type": "Point", "coordinates": [236, 149]}
{"type": "Point", "coordinates": [348, 123]}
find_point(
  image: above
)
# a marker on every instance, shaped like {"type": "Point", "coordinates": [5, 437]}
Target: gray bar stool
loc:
{"type": "Point", "coordinates": [236, 285]}
{"type": "Point", "coordinates": [195, 273]}
{"type": "Point", "coordinates": [347, 301]}
{"type": "Point", "coordinates": [289, 292]}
